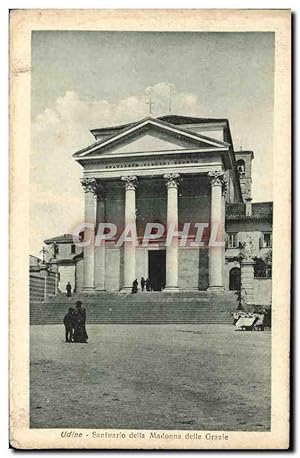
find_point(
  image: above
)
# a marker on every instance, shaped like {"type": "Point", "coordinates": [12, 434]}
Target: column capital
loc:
{"type": "Point", "coordinates": [89, 184]}
{"type": "Point", "coordinates": [94, 186]}
{"type": "Point", "coordinates": [130, 182]}
{"type": "Point", "coordinates": [217, 178]}
{"type": "Point", "coordinates": [172, 180]}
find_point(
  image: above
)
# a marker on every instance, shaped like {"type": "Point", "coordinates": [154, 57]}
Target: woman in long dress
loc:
{"type": "Point", "coordinates": [80, 334]}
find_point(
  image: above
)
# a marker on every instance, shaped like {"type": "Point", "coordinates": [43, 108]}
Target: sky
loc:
{"type": "Point", "coordinates": [84, 80]}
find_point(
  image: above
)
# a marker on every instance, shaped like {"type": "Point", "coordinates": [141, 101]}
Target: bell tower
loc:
{"type": "Point", "coordinates": [244, 169]}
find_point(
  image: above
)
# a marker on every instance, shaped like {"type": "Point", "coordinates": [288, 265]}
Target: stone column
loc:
{"type": "Point", "coordinates": [172, 180]}
{"type": "Point", "coordinates": [100, 250]}
{"type": "Point", "coordinates": [247, 282]}
{"type": "Point", "coordinates": [130, 183]}
{"type": "Point", "coordinates": [89, 186]}
{"type": "Point", "coordinates": [217, 241]}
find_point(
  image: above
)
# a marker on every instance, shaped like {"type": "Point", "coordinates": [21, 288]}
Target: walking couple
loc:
{"type": "Point", "coordinates": [74, 322]}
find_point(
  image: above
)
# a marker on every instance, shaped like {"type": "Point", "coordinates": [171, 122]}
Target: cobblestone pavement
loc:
{"type": "Point", "coordinates": [189, 377]}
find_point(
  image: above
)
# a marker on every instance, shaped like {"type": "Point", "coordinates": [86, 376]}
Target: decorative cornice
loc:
{"type": "Point", "coordinates": [130, 182]}
{"type": "Point", "coordinates": [172, 180]}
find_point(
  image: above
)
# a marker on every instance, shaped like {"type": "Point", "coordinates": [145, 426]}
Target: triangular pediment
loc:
{"type": "Point", "coordinates": [151, 141]}
{"type": "Point", "coordinates": [150, 135]}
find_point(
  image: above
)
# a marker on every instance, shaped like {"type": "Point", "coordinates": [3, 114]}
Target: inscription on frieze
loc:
{"type": "Point", "coordinates": [148, 163]}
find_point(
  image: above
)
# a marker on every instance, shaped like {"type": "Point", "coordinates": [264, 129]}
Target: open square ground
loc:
{"type": "Point", "coordinates": [189, 377]}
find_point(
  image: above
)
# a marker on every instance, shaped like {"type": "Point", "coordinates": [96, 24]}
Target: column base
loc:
{"type": "Point", "coordinates": [216, 289]}
{"type": "Point", "coordinates": [126, 289]}
{"type": "Point", "coordinates": [88, 289]}
{"type": "Point", "coordinates": [171, 289]}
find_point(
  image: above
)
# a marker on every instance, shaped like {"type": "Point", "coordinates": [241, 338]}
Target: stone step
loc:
{"type": "Point", "coordinates": [141, 308]}
{"type": "Point", "coordinates": [200, 301]}
{"type": "Point", "coordinates": [141, 297]}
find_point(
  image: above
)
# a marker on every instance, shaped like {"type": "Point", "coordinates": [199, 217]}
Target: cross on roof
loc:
{"type": "Point", "coordinates": [150, 103]}
{"type": "Point", "coordinates": [170, 99]}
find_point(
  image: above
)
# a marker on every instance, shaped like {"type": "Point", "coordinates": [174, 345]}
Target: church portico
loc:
{"type": "Point", "coordinates": [171, 203]}
{"type": "Point", "coordinates": [180, 191]}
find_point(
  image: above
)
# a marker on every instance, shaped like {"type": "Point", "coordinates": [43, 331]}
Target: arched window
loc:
{"type": "Point", "coordinates": [240, 166]}
{"type": "Point", "coordinates": [235, 279]}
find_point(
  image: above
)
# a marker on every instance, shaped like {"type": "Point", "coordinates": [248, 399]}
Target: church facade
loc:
{"type": "Point", "coordinates": [177, 174]}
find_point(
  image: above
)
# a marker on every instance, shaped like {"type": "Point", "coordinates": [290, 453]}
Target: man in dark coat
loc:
{"type": "Point", "coordinates": [143, 282]}
{"type": "Point", "coordinates": [69, 324]}
{"type": "Point", "coordinates": [148, 286]}
{"type": "Point", "coordinates": [134, 286]}
{"type": "Point", "coordinates": [80, 334]}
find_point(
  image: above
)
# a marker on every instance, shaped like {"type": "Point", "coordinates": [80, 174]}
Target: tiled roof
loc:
{"type": "Point", "coordinates": [65, 238]}
{"type": "Point", "coordinates": [235, 211]}
{"type": "Point", "coordinates": [260, 210]}
{"type": "Point", "coordinates": [171, 119]}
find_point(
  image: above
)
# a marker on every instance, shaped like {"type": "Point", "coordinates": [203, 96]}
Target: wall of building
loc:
{"type": "Point", "coordinates": [66, 274]}
{"type": "Point", "coordinates": [113, 269]}
{"type": "Point", "coordinates": [212, 131]}
{"type": "Point", "coordinates": [65, 252]}
{"type": "Point", "coordinates": [193, 200]}
{"type": "Point", "coordinates": [245, 237]}
{"type": "Point", "coordinates": [36, 287]}
{"type": "Point", "coordinates": [42, 284]}
{"type": "Point", "coordinates": [262, 291]}
{"type": "Point", "coordinates": [151, 203]}
{"type": "Point", "coordinates": [141, 263]}
{"type": "Point", "coordinates": [188, 268]}
{"type": "Point", "coordinates": [115, 204]}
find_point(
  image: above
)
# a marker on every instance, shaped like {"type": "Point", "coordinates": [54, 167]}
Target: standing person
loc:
{"type": "Point", "coordinates": [147, 284]}
{"type": "Point", "coordinates": [134, 286]}
{"type": "Point", "coordinates": [80, 334]}
{"type": "Point", "coordinates": [143, 282]}
{"type": "Point", "coordinates": [69, 325]}
{"type": "Point", "coordinates": [69, 289]}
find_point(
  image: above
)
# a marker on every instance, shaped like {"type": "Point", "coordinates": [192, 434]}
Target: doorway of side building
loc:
{"type": "Point", "coordinates": [235, 279]}
{"type": "Point", "coordinates": [157, 269]}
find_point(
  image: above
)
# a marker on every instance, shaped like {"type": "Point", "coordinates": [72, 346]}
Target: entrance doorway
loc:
{"type": "Point", "coordinates": [157, 269]}
{"type": "Point", "coordinates": [235, 279]}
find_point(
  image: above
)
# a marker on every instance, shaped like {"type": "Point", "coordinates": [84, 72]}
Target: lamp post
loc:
{"type": "Point", "coordinates": [43, 251]}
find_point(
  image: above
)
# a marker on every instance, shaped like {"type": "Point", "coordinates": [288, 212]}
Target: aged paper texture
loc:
{"type": "Point", "coordinates": [150, 229]}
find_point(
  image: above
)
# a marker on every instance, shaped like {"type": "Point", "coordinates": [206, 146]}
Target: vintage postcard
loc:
{"type": "Point", "coordinates": [150, 229]}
